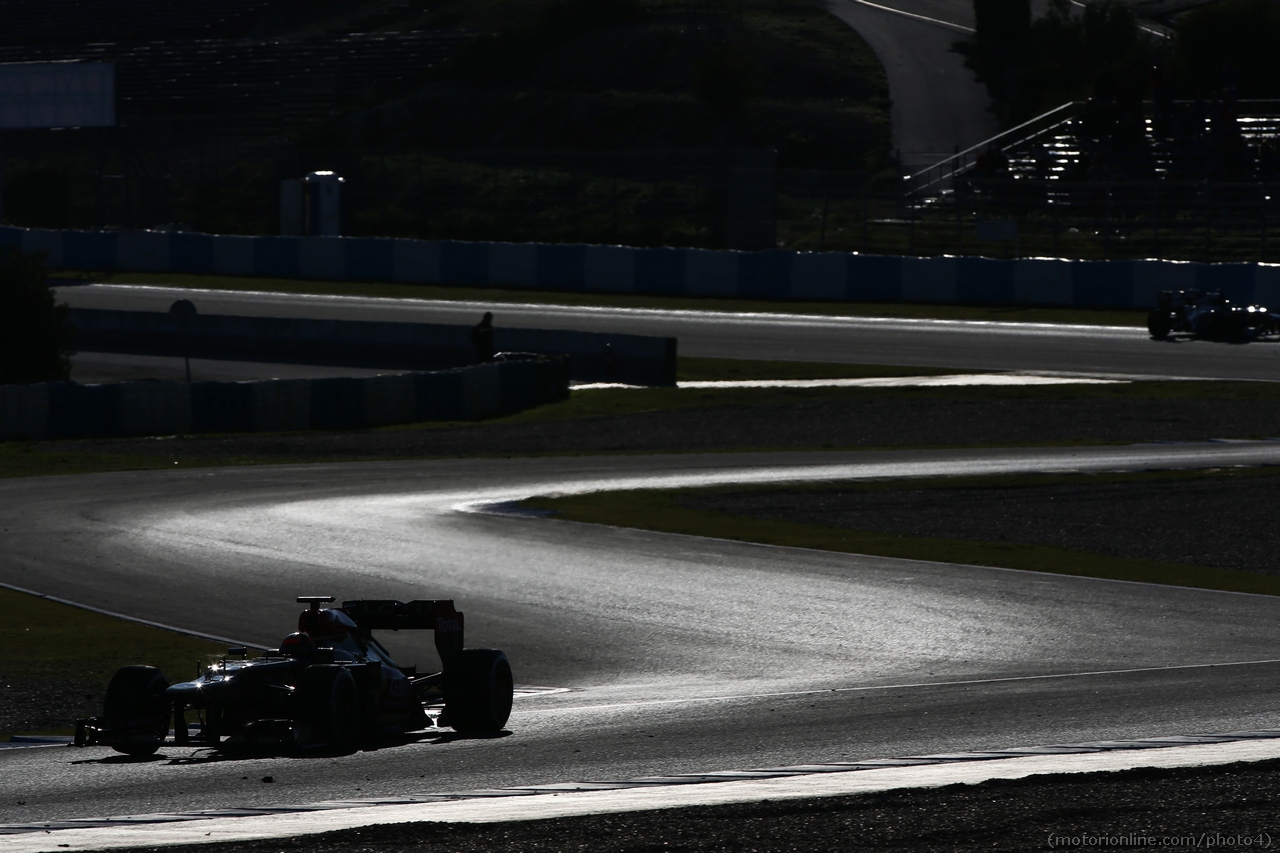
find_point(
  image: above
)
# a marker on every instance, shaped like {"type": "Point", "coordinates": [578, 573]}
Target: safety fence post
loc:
{"type": "Point", "coordinates": [1155, 219]}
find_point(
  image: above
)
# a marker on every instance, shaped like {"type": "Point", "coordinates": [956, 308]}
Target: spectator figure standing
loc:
{"type": "Point", "coordinates": [482, 338]}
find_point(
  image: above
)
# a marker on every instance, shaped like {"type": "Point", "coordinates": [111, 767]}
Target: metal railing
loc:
{"type": "Point", "coordinates": [933, 178]}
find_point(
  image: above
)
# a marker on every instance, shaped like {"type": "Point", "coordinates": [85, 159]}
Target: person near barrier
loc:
{"type": "Point", "coordinates": [482, 338]}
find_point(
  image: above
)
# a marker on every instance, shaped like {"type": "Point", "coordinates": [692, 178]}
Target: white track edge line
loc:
{"type": "Point", "coordinates": [608, 309]}
{"type": "Point", "coordinates": [959, 28]}
{"type": "Point", "coordinates": [134, 619]}
{"type": "Point", "coordinates": [540, 806]}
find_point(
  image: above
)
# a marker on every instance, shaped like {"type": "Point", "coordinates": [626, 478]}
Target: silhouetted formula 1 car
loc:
{"type": "Point", "coordinates": [1211, 316]}
{"type": "Point", "coordinates": [330, 683]}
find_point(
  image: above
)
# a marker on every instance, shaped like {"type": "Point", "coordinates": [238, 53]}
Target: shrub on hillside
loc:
{"type": "Point", "coordinates": [1232, 44]}
{"type": "Point", "coordinates": [724, 81]}
{"type": "Point", "coordinates": [1066, 54]}
{"type": "Point", "coordinates": [37, 198]}
{"type": "Point", "coordinates": [1100, 50]}
{"type": "Point", "coordinates": [35, 339]}
{"type": "Point", "coordinates": [1001, 33]}
{"type": "Point", "coordinates": [513, 53]}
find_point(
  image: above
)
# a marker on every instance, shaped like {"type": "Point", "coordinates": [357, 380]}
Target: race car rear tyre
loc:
{"type": "Point", "coordinates": [135, 711]}
{"type": "Point", "coordinates": [330, 705]}
{"type": "Point", "coordinates": [478, 692]}
{"type": "Point", "coordinates": [1159, 323]}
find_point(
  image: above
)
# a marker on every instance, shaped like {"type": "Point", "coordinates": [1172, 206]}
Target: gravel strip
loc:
{"type": "Point", "coordinates": [30, 705]}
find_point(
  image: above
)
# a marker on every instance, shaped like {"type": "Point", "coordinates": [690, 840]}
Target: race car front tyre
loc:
{"type": "Point", "coordinates": [134, 710]}
{"type": "Point", "coordinates": [1159, 323]}
{"type": "Point", "coordinates": [329, 705]}
{"type": "Point", "coordinates": [478, 692]}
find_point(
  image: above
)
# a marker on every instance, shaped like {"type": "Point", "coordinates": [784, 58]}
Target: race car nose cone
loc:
{"type": "Point", "coordinates": [185, 691]}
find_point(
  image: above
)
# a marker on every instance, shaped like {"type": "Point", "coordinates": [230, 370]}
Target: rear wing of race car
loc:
{"type": "Point", "coordinates": [438, 615]}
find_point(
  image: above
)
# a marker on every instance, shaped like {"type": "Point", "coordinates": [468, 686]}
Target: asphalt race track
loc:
{"type": "Point", "coordinates": [938, 106]}
{"type": "Point", "coordinates": [964, 345]}
{"type": "Point", "coordinates": [681, 654]}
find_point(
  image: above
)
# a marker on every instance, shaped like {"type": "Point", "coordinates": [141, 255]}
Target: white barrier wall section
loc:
{"type": "Point", "coordinates": [276, 405]}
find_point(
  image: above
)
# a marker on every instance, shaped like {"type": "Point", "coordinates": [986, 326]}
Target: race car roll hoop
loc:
{"type": "Point", "coordinates": [330, 682]}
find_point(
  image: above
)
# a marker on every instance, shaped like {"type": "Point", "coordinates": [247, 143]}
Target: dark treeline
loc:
{"type": "Point", "coordinates": [1224, 49]}
{"type": "Point", "coordinates": [35, 338]}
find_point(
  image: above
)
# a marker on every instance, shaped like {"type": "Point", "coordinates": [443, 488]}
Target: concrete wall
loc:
{"type": "Point", "coordinates": [593, 356]}
{"type": "Point", "coordinates": [771, 274]}
{"type": "Point", "coordinates": [68, 410]}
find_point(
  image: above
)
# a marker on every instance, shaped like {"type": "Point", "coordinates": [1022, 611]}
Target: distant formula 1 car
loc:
{"type": "Point", "coordinates": [1211, 316]}
{"type": "Point", "coordinates": [330, 683]}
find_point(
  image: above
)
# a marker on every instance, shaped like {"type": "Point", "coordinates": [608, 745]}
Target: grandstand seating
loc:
{"type": "Point", "coordinates": [1075, 144]}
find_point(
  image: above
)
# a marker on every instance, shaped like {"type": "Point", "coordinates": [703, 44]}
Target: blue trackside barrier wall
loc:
{"type": "Point", "coordinates": [772, 274]}
{"type": "Point", "coordinates": [68, 410]}
{"type": "Point", "coordinates": [389, 400]}
{"type": "Point", "coordinates": [222, 406]}
{"type": "Point", "coordinates": [593, 356]}
{"type": "Point", "coordinates": [337, 403]}
{"type": "Point", "coordinates": [481, 392]}
{"type": "Point", "coordinates": [518, 384]}
{"type": "Point", "coordinates": [25, 410]}
{"type": "Point", "coordinates": [284, 405]}
{"type": "Point", "coordinates": [430, 392]}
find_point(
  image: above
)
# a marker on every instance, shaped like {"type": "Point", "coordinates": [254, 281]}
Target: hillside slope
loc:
{"type": "Point", "coordinates": [642, 74]}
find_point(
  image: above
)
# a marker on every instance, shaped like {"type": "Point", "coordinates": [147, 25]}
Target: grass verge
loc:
{"type": "Point", "coordinates": [47, 660]}
{"type": "Point", "coordinates": [995, 313]}
{"type": "Point", "coordinates": [660, 510]}
{"type": "Point", "coordinates": [32, 459]}
{"type": "Point", "coordinates": [35, 459]}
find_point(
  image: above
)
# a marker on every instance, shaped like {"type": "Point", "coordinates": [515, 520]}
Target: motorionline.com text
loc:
{"type": "Point", "coordinates": [1204, 841]}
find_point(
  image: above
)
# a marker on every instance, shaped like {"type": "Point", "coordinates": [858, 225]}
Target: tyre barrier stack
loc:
{"type": "Point", "coordinates": [69, 410]}
{"type": "Point", "coordinates": [593, 356]}
{"type": "Point", "coordinates": [770, 274]}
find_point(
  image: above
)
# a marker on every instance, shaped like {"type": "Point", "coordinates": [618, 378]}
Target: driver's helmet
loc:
{"type": "Point", "coordinates": [327, 626]}
{"type": "Point", "coordinates": [297, 644]}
